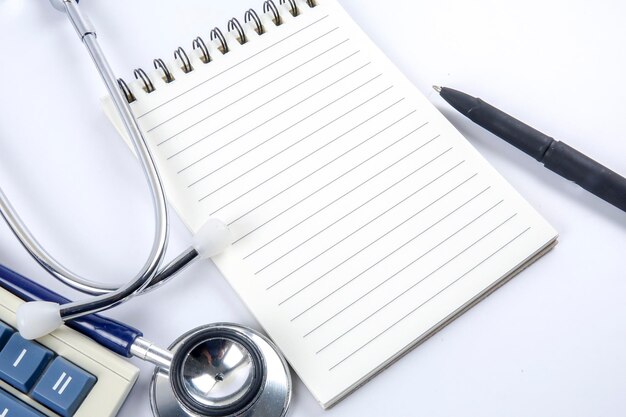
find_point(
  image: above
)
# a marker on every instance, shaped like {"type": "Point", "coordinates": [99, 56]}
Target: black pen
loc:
{"type": "Point", "coordinates": [556, 156]}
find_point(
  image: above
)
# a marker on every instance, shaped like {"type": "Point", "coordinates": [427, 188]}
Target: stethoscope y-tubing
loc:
{"type": "Point", "coordinates": [35, 319]}
{"type": "Point", "coordinates": [115, 336]}
{"type": "Point", "coordinates": [111, 334]}
{"type": "Point", "coordinates": [106, 296]}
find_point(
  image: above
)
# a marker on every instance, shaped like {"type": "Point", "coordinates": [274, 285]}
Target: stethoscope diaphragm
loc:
{"type": "Point", "coordinates": [222, 370]}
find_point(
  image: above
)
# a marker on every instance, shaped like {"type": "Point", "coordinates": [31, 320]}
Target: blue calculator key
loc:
{"type": "Point", "coordinates": [12, 407]}
{"type": "Point", "coordinates": [63, 387]}
{"type": "Point", "coordinates": [5, 334]}
{"type": "Point", "coordinates": [22, 362]}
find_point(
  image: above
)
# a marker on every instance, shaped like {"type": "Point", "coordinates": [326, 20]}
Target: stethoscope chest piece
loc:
{"type": "Point", "coordinates": [222, 370]}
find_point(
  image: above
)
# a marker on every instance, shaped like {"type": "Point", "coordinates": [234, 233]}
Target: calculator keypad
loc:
{"type": "Point", "coordinates": [5, 334]}
{"type": "Point", "coordinates": [11, 407]}
{"type": "Point", "coordinates": [63, 387]}
{"type": "Point", "coordinates": [22, 361]}
{"type": "Point", "coordinates": [32, 369]}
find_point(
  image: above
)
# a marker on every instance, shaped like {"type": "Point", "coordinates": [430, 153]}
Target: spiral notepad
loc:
{"type": "Point", "coordinates": [363, 222]}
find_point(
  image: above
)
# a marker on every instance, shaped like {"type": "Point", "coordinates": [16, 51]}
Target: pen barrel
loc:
{"type": "Point", "coordinates": [556, 156]}
{"type": "Point", "coordinates": [587, 173]}
{"type": "Point", "coordinates": [525, 138]}
{"type": "Point", "coordinates": [515, 132]}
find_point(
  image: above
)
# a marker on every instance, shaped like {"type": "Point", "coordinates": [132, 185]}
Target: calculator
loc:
{"type": "Point", "coordinates": [63, 374]}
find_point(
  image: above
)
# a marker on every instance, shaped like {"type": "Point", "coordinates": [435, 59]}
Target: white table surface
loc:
{"type": "Point", "coordinates": [552, 342]}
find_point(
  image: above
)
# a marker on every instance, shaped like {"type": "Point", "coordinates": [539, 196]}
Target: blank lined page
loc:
{"type": "Point", "coordinates": [362, 221]}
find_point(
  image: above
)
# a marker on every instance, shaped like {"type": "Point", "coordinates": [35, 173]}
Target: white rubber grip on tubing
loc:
{"type": "Point", "coordinates": [212, 238]}
{"type": "Point", "coordinates": [36, 319]}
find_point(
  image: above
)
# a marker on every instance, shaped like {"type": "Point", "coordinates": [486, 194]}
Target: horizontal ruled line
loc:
{"type": "Point", "coordinates": [330, 204]}
{"type": "Point", "coordinates": [278, 114]}
{"type": "Point", "coordinates": [394, 251]}
{"type": "Point", "coordinates": [294, 205]}
{"type": "Point", "coordinates": [301, 180]}
{"type": "Point", "coordinates": [337, 243]}
{"type": "Point", "coordinates": [331, 182]}
{"type": "Point", "coordinates": [233, 67]}
{"type": "Point", "coordinates": [396, 298]}
{"type": "Point", "coordinates": [427, 301]}
{"type": "Point", "coordinates": [378, 215]}
{"type": "Point", "coordinates": [301, 140]}
{"type": "Point", "coordinates": [240, 117]}
{"type": "Point", "coordinates": [280, 192]}
{"type": "Point", "coordinates": [204, 100]}
{"type": "Point", "coordinates": [403, 269]}
{"type": "Point", "coordinates": [197, 181]}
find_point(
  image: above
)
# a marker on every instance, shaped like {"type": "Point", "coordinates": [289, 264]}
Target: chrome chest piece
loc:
{"type": "Point", "coordinates": [222, 370]}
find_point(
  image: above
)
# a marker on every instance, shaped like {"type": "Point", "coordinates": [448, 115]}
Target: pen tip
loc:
{"type": "Point", "coordinates": [437, 88]}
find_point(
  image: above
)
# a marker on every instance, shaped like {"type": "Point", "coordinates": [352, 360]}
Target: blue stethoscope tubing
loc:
{"type": "Point", "coordinates": [111, 334]}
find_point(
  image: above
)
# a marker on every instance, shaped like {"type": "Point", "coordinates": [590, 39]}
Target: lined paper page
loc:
{"type": "Point", "coordinates": [362, 220]}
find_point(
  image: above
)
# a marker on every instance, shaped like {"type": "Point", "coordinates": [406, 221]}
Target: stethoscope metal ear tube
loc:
{"type": "Point", "coordinates": [215, 370]}
{"type": "Point", "coordinates": [38, 319]}
{"type": "Point", "coordinates": [108, 296]}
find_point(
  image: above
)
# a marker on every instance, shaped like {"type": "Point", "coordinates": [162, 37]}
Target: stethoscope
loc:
{"type": "Point", "coordinates": [216, 370]}
{"type": "Point", "coordinates": [220, 369]}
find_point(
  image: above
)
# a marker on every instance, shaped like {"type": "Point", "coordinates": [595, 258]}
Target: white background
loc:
{"type": "Point", "coordinates": [552, 342]}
